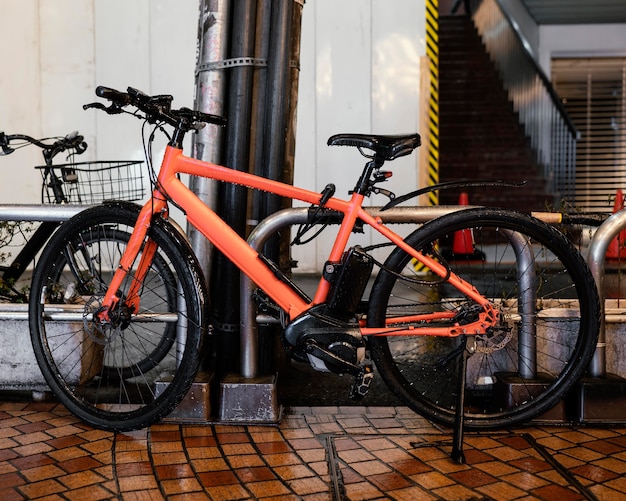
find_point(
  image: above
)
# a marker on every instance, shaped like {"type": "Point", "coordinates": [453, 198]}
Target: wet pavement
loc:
{"type": "Point", "coordinates": [314, 453]}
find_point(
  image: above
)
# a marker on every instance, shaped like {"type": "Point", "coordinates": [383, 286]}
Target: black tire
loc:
{"type": "Point", "coordinates": [502, 389]}
{"type": "Point", "coordinates": [78, 360]}
{"type": "Point", "coordinates": [110, 243]}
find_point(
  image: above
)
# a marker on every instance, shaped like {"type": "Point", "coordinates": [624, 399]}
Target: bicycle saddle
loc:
{"type": "Point", "coordinates": [383, 146]}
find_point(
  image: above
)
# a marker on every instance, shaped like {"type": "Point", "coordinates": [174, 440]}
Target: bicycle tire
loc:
{"type": "Point", "coordinates": [504, 386]}
{"type": "Point", "coordinates": [154, 348]}
{"type": "Point", "coordinates": [73, 355]}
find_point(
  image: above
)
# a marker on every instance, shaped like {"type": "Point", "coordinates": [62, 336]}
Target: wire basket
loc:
{"type": "Point", "coordinates": [94, 182]}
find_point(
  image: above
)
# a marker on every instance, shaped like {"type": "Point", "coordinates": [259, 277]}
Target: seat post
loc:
{"type": "Point", "coordinates": [363, 184]}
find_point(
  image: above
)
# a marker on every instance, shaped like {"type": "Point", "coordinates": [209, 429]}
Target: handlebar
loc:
{"type": "Point", "coordinates": [73, 143]}
{"type": "Point", "coordinates": [155, 109]}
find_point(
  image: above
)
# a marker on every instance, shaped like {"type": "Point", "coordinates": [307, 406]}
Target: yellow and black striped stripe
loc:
{"type": "Point", "coordinates": [432, 51]}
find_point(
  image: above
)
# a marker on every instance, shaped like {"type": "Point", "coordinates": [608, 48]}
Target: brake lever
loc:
{"type": "Point", "coordinates": [113, 109]}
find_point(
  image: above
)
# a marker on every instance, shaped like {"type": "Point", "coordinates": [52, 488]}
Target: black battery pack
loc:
{"type": "Point", "coordinates": [350, 281]}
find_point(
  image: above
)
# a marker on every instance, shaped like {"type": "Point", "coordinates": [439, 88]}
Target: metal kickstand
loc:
{"type": "Point", "coordinates": [457, 436]}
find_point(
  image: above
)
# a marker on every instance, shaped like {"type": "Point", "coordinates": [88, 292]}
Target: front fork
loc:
{"type": "Point", "coordinates": [137, 243]}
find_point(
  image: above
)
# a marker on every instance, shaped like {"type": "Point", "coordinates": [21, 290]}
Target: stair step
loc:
{"type": "Point", "coordinates": [480, 136]}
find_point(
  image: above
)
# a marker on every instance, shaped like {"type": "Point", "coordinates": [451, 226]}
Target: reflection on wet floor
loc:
{"type": "Point", "coordinates": [314, 454]}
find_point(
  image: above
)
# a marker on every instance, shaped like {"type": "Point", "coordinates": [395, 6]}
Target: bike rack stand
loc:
{"type": "Point", "coordinates": [601, 396]}
{"type": "Point", "coordinates": [15, 347]}
{"type": "Point", "coordinates": [236, 404]}
{"type": "Point", "coordinates": [249, 397]}
{"type": "Point", "coordinates": [252, 398]}
{"type": "Point", "coordinates": [39, 212]}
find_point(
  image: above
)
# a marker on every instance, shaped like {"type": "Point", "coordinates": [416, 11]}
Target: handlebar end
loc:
{"type": "Point", "coordinates": [4, 144]}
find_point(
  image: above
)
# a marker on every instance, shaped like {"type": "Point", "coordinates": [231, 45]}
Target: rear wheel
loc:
{"type": "Point", "coordinates": [548, 328]}
{"type": "Point", "coordinates": [129, 374]}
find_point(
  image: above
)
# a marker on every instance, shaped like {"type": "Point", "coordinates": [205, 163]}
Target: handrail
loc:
{"type": "Point", "coordinates": [552, 133]}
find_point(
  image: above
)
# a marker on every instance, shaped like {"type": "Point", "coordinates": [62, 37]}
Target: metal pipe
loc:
{"type": "Point", "coordinates": [277, 108]}
{"type": "Point", "coordinates": [596, 257]}
{"type": "Point", "coordinates": [27, 212]}
{"type": "Point", "coordinates": [527, 305]}
{"type": "Point", "coordinates": [232, 206]}
{"type": "Point", "coordinates": [213, 31]}
{"type": "Point", "coordinates": [259, 101]}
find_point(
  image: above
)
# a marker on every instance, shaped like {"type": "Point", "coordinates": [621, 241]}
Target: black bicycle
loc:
{"type": "Point", "coordinates": [89, 183]}
{"type": "Point", "coordinates": [68, 183]}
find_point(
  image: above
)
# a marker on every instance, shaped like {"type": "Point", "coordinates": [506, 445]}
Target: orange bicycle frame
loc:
{"type": "Point", "coordinates": [235, 248]}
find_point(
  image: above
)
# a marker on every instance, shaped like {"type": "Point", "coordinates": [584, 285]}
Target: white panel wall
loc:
{"type": "Point", "coordinates": [56, 53]}
{"type": "Point", "coordinates": [360, 73]}
{"type": "Point", "coordinates": [599, 40]}
{"type": "Point", "coordinates": [20, 95]}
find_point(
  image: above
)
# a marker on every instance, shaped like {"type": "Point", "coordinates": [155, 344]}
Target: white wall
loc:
{"type": "Point", "coordinates": [360, 73]}
{"type": "Point", "coordinates": [54, 55]}
{"type": "Point", "coordinates": [605, 40]}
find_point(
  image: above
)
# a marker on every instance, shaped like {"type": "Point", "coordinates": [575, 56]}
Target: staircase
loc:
{"type": "Point", "coordinates": [480, 137]}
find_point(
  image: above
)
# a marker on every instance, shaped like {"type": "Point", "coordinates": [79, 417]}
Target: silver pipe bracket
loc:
{"type": "Point", "coordinates": [231, 63]}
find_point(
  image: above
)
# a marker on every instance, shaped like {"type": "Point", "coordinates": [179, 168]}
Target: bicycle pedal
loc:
{"type": "Point", "coordinates": [361, 384]}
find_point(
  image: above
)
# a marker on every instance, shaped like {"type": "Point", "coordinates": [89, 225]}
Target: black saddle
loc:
{"type": "Point", "coordinates": [384, 147]}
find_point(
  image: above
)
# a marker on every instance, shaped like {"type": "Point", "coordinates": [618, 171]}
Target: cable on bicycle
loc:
{"type": "Point", "coordinates": [406, 278]}
{"type": "Point", "coordinates": [327, 193]}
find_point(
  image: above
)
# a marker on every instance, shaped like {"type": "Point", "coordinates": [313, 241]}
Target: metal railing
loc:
{"type": "Point", "coordinates": [552, 134]}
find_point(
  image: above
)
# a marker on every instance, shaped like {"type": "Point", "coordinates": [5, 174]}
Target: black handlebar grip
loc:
{"type": "Point", "coordinates": [4, 144]}
{"type": "Point", "coordinates": [120, 98]}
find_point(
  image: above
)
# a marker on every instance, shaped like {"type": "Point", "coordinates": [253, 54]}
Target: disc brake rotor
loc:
{"type": "Point", "coordinates": [99, 332]}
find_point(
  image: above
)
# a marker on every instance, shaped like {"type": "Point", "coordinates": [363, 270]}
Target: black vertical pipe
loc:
{"type": "Point", "coordinates": [277, 106]}
{"type": "Point", "coordinates": [259, 100]}
{"type": "Point", "coordinates": [279, 145]}
{"type": "Point", "coordinates": [292, 88]}
{"type": "Point", "coordinates": [290, 139]}
{"type": "Point", "coordinates": [264, 336]}
{"type": "Point", "coordinates": [232, 205]}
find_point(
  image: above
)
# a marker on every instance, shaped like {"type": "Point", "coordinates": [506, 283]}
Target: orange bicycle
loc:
{"type": "Point", "coordinates": [497, 335]}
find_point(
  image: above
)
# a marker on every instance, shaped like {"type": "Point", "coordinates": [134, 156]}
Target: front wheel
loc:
{"type": "Point", "coordinates": [549, 316]}
{"type": "Point", "coordinates": [131, 373]}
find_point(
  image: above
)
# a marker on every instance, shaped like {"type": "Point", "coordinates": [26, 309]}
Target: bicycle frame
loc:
{"type": "Point", "coordinates": [235, 248]}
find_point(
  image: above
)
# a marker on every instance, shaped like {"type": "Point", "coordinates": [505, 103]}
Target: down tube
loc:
{"type": "Point", "coordinates": [235, 248]}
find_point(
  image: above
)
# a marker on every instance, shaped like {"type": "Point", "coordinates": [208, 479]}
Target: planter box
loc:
{"type": "Point", "coordinates": [18, 367]}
